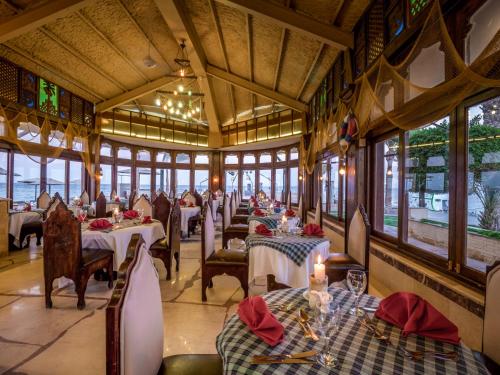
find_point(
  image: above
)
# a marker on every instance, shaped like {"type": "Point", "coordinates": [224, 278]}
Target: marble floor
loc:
{"type": "Point", "coordinates": [64, 340]}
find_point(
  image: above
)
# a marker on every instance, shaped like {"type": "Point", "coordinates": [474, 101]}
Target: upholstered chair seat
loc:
{"type": "Point", "coordinates": [224, 255]}
{"type": "Point", "coordinates": [242, 210]}
{"type": "Point", "coordinates": [191, 364]}
{"type": "Point", "coordinates": [239, 219]}
{"type": "Point", "coordinates": [230, 228]}
{"type": "Point", "coordinates": [90, 256]}
{"type": "Point", "coordinates": [341, 258]}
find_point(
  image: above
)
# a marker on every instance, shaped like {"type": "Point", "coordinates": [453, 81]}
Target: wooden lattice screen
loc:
{"type": "Point", "coordinates": [8, 81]}
{"type": "Point", "coordinates": [88, 115]}
{"type": "Point", "coordinates": [375, 31]}
{"type": "Point", "coordinates": [76, 110]}
{"type": "Point", "coordinates": [29, 89]}
{"type": "Point", "coordinates": [64, 104]}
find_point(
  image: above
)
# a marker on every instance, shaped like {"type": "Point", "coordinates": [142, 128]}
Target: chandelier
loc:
{"type": "Point", "coordinates": [181, 103]}
{"type": "Point", "coordinates": [182, 59]}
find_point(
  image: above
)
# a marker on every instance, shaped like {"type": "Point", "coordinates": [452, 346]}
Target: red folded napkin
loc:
{"type": "Point", "coordinates": [117, 199]}
{"type": "Point", "coordinates": [263, 230]}
{"type": "Point", "coordinates": [81, 218]}
{"type": "Point", "coordinates": [191, 204]}
{"type": "Point", "coordinates": [415, 315]}
{"type": "Point", "coordinates": [27, 208]}
{"type": "Point", "coordinates": [290, 213]}
{"type": "Point", "coordinates": [80, 203]}
{"type": "Point", "coordinates": [252, 198]}
{"type": "Point", "coordinates": [313, 230]}
{"type": "Point", "coordinates": [182, 202]}
{"type": "Point", "coordinates": [256, 204]}
{"type": "Point", "coordinates": [100, 224]}
{"type": "Point", "coordinates": [131, 214]}
{"type": "Point", "coordinates": [253, 311]}
{"type": "Point", "coordinates": [258, 212]}
{"type": "Point", "coordinates": [147, 220]}
{"type": "Point", "coordinates": [277, 204]}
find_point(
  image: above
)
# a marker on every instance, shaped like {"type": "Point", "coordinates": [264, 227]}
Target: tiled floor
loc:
{"type": "Point", "coordinates": [64, 340]}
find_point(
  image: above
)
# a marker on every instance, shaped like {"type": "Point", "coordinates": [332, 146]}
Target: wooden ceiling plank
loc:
{"type": "Point", "coordinates": [256, 88]}
{"type": "Point", "coordinates": [288, 18]}
{"type": "Point", "coordinates": [311, 69]}
{"type": "Point", "coordinates": [248, 22]}
{"type": "Point", "coordinates": [181, 27]}
{"type": "Point", "coordinates": [36, 17]}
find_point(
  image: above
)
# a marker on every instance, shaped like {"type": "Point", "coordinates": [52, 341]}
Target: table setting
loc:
{"type": "Point", "coordinates": [272, 219]}
{"type": "Point", "coordinates": [23, 215]}
{"type": "Point", "coordinates": [329, 330]}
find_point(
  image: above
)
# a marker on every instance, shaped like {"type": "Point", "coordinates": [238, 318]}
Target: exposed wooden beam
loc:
{"type": "Point", "coordinates": [309, 72]}
{"type": "Point", "coordinates": [250, 58]}
{"type": "Point", "coordinates": [182, 28]}
{"type": "Point", "coordinates": [292, 20]}
{"type": "Point", "coordinates": [280, 53]}
{"type": "Point", "coordinates": [111, 45]}
{"type": "Point", "coordinates": [256, 88]}
{"type": "Point", "coordinates": [133, 94]}
{"type": "Point", "coordinates": [36, 17]}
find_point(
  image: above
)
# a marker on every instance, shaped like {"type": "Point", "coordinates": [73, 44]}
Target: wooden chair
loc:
{"type": "Point", "coordinates": [358, 248]}
{"type": "Point", "coordinates": [53, 204]}
{"type": "Point", "coordinates": [229, 230]}
{"type": "Point", "coordinates": [289, 200]}
{"type": "Point", "coordinates": [63, 254]}
{"type": "Point", "coordinates": [113, 195]}
{"type": "Point", "coordinates": [237, 218]}
{"type": "Point", "coordinates": [43, 201]}
{"type": "Point", "coordinates": [213, 263]}
{"type": "Point", "coordinates": [100, 206]}
{"type": "Point", "coordinates": [134, 315]}
{"type": "Point", "coordinates": [241, 208]}
{"type": "Point", "coordinates": [300, 209]}
{"type": "Point", "coordinates": [318, 216]}
{"type": "Point", "coordinates": [132, 199]}
{"type": "Point", "coordinates": [193, 221]}
{"type": "Point", "coordinates": [144, 204]}
{"type": "Point", "coordinates": [84, 197]}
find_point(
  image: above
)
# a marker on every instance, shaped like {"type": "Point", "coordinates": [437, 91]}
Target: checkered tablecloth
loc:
{"type": "Point", "coordinates": [270, 221]}
{"type": "Point", "coordinates": [295, 247]}
{"type": "Point", "coordinates": [357, 350]}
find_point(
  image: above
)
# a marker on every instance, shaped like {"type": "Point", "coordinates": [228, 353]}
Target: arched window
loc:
{"type": "Point", "coordinates": [106, 150]}
{"type": "Point", "coordinates": [182, 158]}
{"type": "Point", "coordinates": [124, 153]}
{"type": "Point", "coordinates": [231, 159]}
{"type": "Point", "coordinates": [294, 153]}
{"type": "Point", "coordinates": [26, 131]}
{"type": "Point", "coordinates": [201, 159]}
{"type": "Point", "coordinates": [143, 155]}
{"type": "Point", "coordinates": [163, 157]}
{"type": "Point", "coordinates": [249, 159]}
{"type": "Point", "coordinates": [281, 155]}
{"type": "Point", "coordinates": [265, 157]}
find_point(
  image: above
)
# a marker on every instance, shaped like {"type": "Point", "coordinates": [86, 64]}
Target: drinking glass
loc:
{"type": "Point", "coordinates": [141, 213]}
{"type": "Point", "coordinates": [356, 281]}
{"type": "Point", "coordinates": [327, 323]}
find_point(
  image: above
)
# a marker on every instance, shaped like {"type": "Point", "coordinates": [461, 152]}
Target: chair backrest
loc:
{"type": "Point", "coordinates": [233, 204]}
{"type": "Point", "coordinates": [43, 201]}
{"type": "Point", "coordinates": [113, 195]}
{"type": "Point", "coordinates": [85, 197]}
{"type": "Point", "coordinates": [226, 217]}
{"type": "Point", "coordinates": [198, 199]}
{"type": "Point", "coordinates": [153, 195]}
{"type": "Point", "coordinates": [289, 200]}
{"type": "Point", "coordinates": [210, 203]}
{"type": "Point", "coordinates": [134, 316]}
{"type": "Point", "coordinates": [62, 252]}
{"type": "Point", "coordinates": [207, 235]}
{"type": "Point", "coordinates": [161, 210]}
{"type": "Point", "coordinates": [491, 322]}
{"type": "Point", "coordinates": [358, 240]}
{"type": "Point", "coordinates": [299, 211]}
{"type": "Point", "coordinates": [100, 205]}
{"type": "Point", "coordinates": [56, 199]}
{"type": "Point", "coordinates": [317, 213]}
{"type": "Point", "coordinates": [189, 198]}
{"type": "Point", "coordinates": [174, 227]}
{"type": "Point", "coordinates": [144, 204]}
{"type": "Point", "coordinates": [132, 199]}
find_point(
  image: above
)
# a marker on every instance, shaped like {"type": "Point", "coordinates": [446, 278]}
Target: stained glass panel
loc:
{"type": "Point", "coordinates": [64, 103]}
{"type": "Point", "coordinates": [416, 6]}
{"type": "Point", "coordinates": [395, 22]}
{"type": "Point", "coordinates": [28, 89]}
{"type": "Point", "coordinates": [48, 100]}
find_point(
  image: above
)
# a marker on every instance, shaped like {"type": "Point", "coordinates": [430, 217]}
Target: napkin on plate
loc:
{"type": "Point", "coordinates": [413, 314]}
{"type": "Point", "coordinates": [263, 230]}
{"type": "Point", "coordinates": [117, 199]}
{"type": "Point", "coordinates": [313, 230]}
{"type": "Point", "coordinates": [258, 212]}
{"type": "Point", "coordinates": [27, 208]}
{"type": "Point", "coordinates": [191, 204]}
{"type": "Point", "coordinates": [131, 214]}
{"type": "Point", "coordinates": [290, 213]}
{"type": "Point", "coordinates": [253, 311]}
{"type": "Point", "coordinates": [256, 204]}
{"type": "Point", "coordinates": [100, 224]}
{"type": "Point", "coordinates": [81, 218]}
{"type": "Point", "coordinates": [277, 204]}
{"type": "Point", "coordinates": [182, 202]}
{"type": "Point", "coordinates": [147, 220]}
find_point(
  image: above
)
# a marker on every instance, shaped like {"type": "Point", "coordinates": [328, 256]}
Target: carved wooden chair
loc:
{"type": "Point", "coordinates": [63, 254]}
{"type": "Point", "coordinates": [237, 218]}
{"type": "Point", "coordinates": [134, 315]}
{"type": "Point", "coordinates": [358, 249]}
{"type": "Point", "coordinates": [43, 201]}
{"type": "Point", "coordinates": [100, 206]}
{"type": "Point", "coordinates": [27, 229]}
{"type": "Point", "coordinates": [56, 199]}
{"type": "Point", "coordinates": [84, 197]}
{"type": "Point", "coordinates": [132, 199]}
{"type": "Point", "coordinates": [144, 204]}
{"type": "Point", "coordinates": [113, 195]}
{"type": "Point", "coordinates": [229, 230]}
{"type": "Point", "coordinates": [193, 221]}
{"type": "Point", "coordinates": [241, 208]}
{"type": "Point", "coordinates": [213, 263]}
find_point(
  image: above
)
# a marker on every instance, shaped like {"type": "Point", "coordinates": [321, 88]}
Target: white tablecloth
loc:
{"type": "Point", "coordinates": [215, 205]}
{"type": "Point", "coordinates": [264, 260]}
{"type": "Point", "coordinates": [16, 221]}
{"type": "Point", "coordinates": [186, 213]}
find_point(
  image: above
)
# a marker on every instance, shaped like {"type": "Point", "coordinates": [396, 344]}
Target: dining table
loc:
{"type": "Point", "coordinates": [357, 350]}
{"type": "Point", "coordinates": [271, 221]}
{"type": "Point", "coordinates": [186, 214]}
{"type": "Point", "coordinates": [289, 257]}
{"type": "Point", "coordinates": [18, 218]}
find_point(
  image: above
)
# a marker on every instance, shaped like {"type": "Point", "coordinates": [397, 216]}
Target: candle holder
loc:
{"type": "Point", "coordinates": [318, 285]}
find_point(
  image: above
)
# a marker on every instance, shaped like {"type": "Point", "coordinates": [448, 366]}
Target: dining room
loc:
{"type": "Point", "coordinates": [249, 187]}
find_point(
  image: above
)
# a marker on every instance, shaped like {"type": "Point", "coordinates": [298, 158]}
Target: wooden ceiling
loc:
{"type": "Point", "coordinates": [248, 55]}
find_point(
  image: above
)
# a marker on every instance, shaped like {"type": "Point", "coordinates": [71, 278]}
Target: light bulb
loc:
{"type": "Point", "coordinates": [165, 107]}
{"type": "Point", "coordinates": [198, 109]}
{"type": "Point", "coordinates": [189, 114]}
{"type": "Point", "coordinates": [184, 116]}
{"type": "Point", "coordinates": [193, 111]}
{"type": "Point", "coordinates": [180, 88]}
{"type": "Point", "coordinates": [177, 112]}
{"type": "Point", "coordinates": [171, 110]}
{"type": "Point", "coordinates": [182, 72]}
{"type": "Point", "coordinates": [158, 102]}
{"type": "Point", "coordinates": [169, 103]}
{"type": "Point", "coordinates": [175, 92]}
{"type": "Point", "coordinates": [189, 92]}
{"type": "Point", "coordinates": [342, 171]}
{"type": "Point", "coordinates": [389, 172]}
{"type": "Point", "coordinates": [180, 105]}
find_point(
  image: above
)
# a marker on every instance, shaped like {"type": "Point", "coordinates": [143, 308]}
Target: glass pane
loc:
{"type": "Point", "coordinates": [248, 159]}
{"type": "Point", "coordinates": [265, 181]}
{"type": "Point", "coordinates": [387, 194]}
{"type": "Point", "coordinates": [231, 159]}
{"type": "Point", "coordinates": [163, 180]}
{"type": "Point", "coordinates": [279, 184]}
{"type": "Point", "coordinates": [106, 179]}
{"type": "Point", "coordinates": [3, 173]}
{"type": "Point", "coordinates": [248, 182]}
{"type": "Point", "coordinates": [123, 181]}
{"type": "Point", "coordinates": [426, 187]}
{"type": "Point", "coordinates": [294, 184]}
{"type": "Point", "coordinates": [281, 156]}
{"type": "Point", "coordinates": [143, 155]}
{"type": "Point", "coordinates": [124, 153]}
{"type": "Point", "coordinates": [26, 131]}
{"type": "Point", "coordinates": [265, 158]}
{"type": "Point", "coordinates": [143, 181]}
{"type": "Point", "coordinates": [201, 159]}
{"type": "Point", "coordinates": [163, 157]}
{"type": "Point", "coordinates": [56, 139]}
{"type": "Point", "coordinates": [105, 150]}
{"type": "Point", "coordinates": [231, 178]}
{"type": "Point", "coordinates": [48, 97]}
{"type": "Point", "coordinates": [483, 187]}
{"type": "Point", "coordinates": [324, 184]}
{"type": "Point", "coordinates": [75, 179]}
{"type": "Point", "coordinates": [26, 178]}
{"type": "Point", "coordinates": [294, 154]}
{"type": "Point", "coordinates": [334, 186]}
{"type": "Point", "coordinates": [182, 180]}
{"type": "Point", "coordinates": [56, 177]}
{"type": "Point", "coordinates": [182, 158]}
{"type": "Point", "coordinates": [201, 180]}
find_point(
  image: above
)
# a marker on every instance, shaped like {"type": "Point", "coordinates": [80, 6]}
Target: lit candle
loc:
{"type": "Point", "coordinates": [283, 219]}
{"type": "Point", "coordinates": [319, 270]}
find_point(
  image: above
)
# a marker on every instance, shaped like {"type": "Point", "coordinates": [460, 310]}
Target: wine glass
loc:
{"type": "Point", "coordinates": [140, 211]}
{"type": "Point", "coordinates": [327, 324]}
{"type": "Point", "coordinates": [356, 281]}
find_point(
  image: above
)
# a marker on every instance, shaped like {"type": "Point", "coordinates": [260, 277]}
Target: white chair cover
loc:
{"type": "Point", "coordinates": [233, 204]}
{"type": "Point", "coordinates": [53, 206]}
{"type": "Point", "coordinates": [227, 213]}
{"type": "Point", "coordinates": [143, 203]}
{"type": "Point", "coordinates": [299, 213]}
{"type": "Point", "coordinates": [209, 233]}
{"type": "Point", "coordinates": [289, 200]}
{"type": "Point", "coordinates": [356, 242]}
{"type": "Point", "coordinates": [85, 197]}
{"type": "Point", "coordinates": [141, 323]}
{"type": "Point", "coordinates": [189, 198]}
{"type": "Point", "coordinates": [44, 200]}
{"type": "Point", "coordinates": [317, 213]}
{"type": "Point", "coordinates": [113, 195]}
{"type": "Point", "coordinates": [491, 329]}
